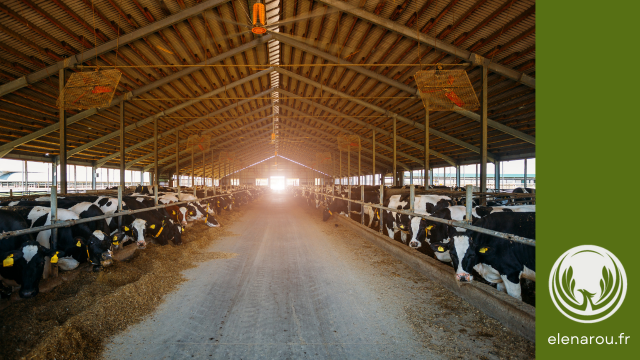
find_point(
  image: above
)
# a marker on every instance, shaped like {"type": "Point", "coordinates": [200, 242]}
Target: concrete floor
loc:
{"type": "Point", "coordinates": [299, 288]}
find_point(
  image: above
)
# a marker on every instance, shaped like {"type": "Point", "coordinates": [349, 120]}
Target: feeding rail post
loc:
{"type": "Point", "coordinates": [469, 203]}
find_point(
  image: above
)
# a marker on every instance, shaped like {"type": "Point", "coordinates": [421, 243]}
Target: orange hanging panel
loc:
{"type": "Point", "coordinates": [259, 14]}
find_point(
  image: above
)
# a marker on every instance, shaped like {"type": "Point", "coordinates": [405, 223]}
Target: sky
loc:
{"type": "Point", "coordinates": [84, 173]}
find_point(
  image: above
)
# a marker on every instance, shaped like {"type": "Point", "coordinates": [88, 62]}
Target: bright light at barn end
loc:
{"type": "Point", "coordinates": [277, 183]}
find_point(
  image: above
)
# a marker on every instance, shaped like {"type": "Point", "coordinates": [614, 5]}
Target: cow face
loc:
{"type": "Point", "coordinates": [138, 231]}
{"type": "Point", "coordinates": [461, 253]}
{"type": "Point", "coordinates": [28, 264]}
{"type": "Point", "coordinates": [99, 245]}
{"type": "Point", "coordinates": [211, 221]}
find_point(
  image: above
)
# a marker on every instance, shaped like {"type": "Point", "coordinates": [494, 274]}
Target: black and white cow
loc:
{"type": "Point", "coordinates": [71, 240]}
{"type": "Point", "coordinates": [340, 206]}
{"type": "Point", "coordinates": [497, 260]}
{"type": "Point", "coordinates": [394, 222]}
{"type": "Point", "coordinates": [152, 222]}
{"type": "Point", "coordinates": [431, 231]}
{"type": "Point", "coordinates": [23, 259]}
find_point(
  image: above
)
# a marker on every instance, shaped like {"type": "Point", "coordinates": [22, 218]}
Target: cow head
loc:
{"type": "Point", "coordinates": [461, 253]}
{"type": "Point", "coordinates": [27, 264]}
{"type": "Point", "coordinates": [138, 231]}
{"type": "Point", "coordinates": [99, 245]}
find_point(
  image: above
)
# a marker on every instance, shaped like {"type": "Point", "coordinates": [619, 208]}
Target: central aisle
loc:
{"type": "Point", "coordinates": [290, 293]}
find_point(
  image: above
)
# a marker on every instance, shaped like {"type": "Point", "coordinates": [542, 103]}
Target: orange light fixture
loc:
{"type": "Point", "coordinates": [259, 19]}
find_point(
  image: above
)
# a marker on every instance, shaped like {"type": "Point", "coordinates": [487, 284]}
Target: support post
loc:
{"type": "Point", "coordinates": [122, 145]}
{"type": "Point", "coordinates": [362, 206]}
{"type": "Point", "coordinates": [373, 160]}
{"type": "Point", "coordinates": [349, 179]}
{"type": "Point", "coordinates": [412, 198]}
{"type": "Point", "coordinates": [426, 146]}
{"type": "Point", "coordinates": [524, 181]}
{"type": "Point", "coordinates": [178, 160]}
{"type": "Point", "coordinates": [469, 203]}
{"type": "Point", "coordinates": [484, 131]}
{"type": "Point", "coordinates": [62, 79]}
{"type": "Point", "coordinates": [155, 160]}
{"type": "Point", "coordinates": [193, 180]}
{"type": "Point", "coordinates": [94, 182]}
{"type": "Point", "coordinates": [54, 232]}
{"type": "Point", "coordinates": [340, 170]}
{"type": "Point", "coordinates": [395, 135]}
{"type": "Point", "coordinates": [458, 175]}
{"type": "Point", "coordinates": [120, 189]}
{"type": "Point", "coordinates": [497, 175]}
{"type": "Point", "coordinates": [380, 211]}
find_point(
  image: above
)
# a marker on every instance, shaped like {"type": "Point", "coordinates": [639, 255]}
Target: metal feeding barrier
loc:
{"type": "Point", "coordinates": [444, 90]}
{"type": "Point", "coordinates": [67, 223]}
{"type": "Point", "coordinates": [88, 90]}
{"type": "Point", "coordinates": [462, 224]}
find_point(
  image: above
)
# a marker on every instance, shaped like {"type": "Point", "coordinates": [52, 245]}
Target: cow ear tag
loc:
{"type": "Point", "coordinates": [79, 244]}
{"type": "Point", "coordinates": [483, 250]}
{"type": "Point", "coordinates": [126, 228]}
{"type": "Point", "coordinates": [8, 262]}
{"type": "Point", "coordinates": [440, 248]}
{"type": "Point", "coordinates": [153, 226]}
{"type": "Point", "coordinates": [173, 212]}
{"type": "Point", "coordinates": [54, 258]}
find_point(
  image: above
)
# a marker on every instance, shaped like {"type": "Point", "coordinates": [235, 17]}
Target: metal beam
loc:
{"type": "Point", "coordinates": [108, 46]}
{"type": "Point", "coordinates": [362, 140]}
{"type": "Point", "coordinates": [219, 126]}
{"type": "Point", "coordinates": [171, 111]}
{"type": "Point", "coordinates": [383, 111]}
{"type": "Point", "coordinates": [6, 148]}
{"type": "Point", "coordinates": [369, 126]}
{"type": "Point", "coordinates": [433, 42]}
{"type": "Point", "coordinates": [381, 78]}
{"type": "Point", "coordinates": [190, 123]}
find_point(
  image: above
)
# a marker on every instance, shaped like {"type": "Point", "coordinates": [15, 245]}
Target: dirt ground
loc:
{"type": "Point", "coordinates": [443, 322]}
{"type": "Point", "coordinates": [73, 320]}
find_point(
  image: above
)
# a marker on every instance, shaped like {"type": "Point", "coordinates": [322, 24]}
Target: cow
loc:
{"type": "Point", "coordinates": [152, 221]}
{"type": "Point", "coordinates": [427, 230]}
{"type": "Point", "coordinates": [23, 258]}
{"type": "Point", "coordinates": [84, 210]}
{"type": "Point", "coordinates": [497, 260]}
{"type": "Point", "coordinates": [395, 222]}
{"type": "Point", "coordinates": [71, 240]}
{"type": "Point", "coordinates": [340, 206]}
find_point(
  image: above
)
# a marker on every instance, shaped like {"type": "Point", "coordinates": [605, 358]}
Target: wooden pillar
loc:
{"type": "Point", "coordinates": [62, 176]}
{"type": "Point", "coordinates": [484, 131]}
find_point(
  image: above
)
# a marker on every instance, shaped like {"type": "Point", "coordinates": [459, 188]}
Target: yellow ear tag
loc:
{"type": "Point", "coordinates": [88, 256]}
{"type": "Point", "coordinates": [483, 250]}
{"type": "Point", "coordinates": [54, 258]}
{"type": "Point", "coordinates": [8, 262]}
{"type": "Point", "coordinates": [126, 228]}
{"type": "Point", "coordinates": [429, 227]}
{"type": "Point", "coordinates": [173, 212]}
{"type": "Point", "coordinates": [79, 244]}
{"type": "Point", "coordinates": [153, 226]}
{"type": "Point", "coordinates": [440, 248]}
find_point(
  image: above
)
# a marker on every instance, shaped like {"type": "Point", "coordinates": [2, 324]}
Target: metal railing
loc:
{"type": "Point", "coordinates": [67, 223]}
{"type": "Point", "coordinates": [462, 224]}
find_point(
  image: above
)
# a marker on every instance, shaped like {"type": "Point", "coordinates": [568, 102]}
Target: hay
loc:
{"type": "Point", "coordinates": [75, 319]}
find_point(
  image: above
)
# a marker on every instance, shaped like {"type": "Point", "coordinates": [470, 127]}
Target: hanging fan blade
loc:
{"type": "Point", "coordinates": [231, 36]}
{"type": "Point", "coordinates": [321, 11]}
{"type": "Point", "coordinates": [212, 16]}
{"type": "Point", "coordinates": [326, 46]}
